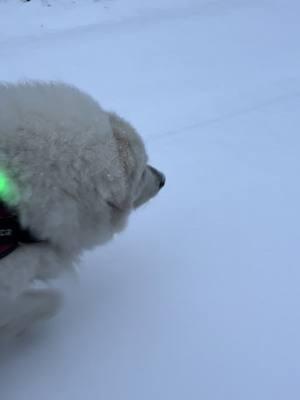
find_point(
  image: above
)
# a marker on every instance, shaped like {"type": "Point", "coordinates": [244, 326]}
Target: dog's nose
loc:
{"type": "Point", "coordinates": [162, 181]}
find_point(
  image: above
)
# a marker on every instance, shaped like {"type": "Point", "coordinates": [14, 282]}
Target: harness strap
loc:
{"type": "Point", "coordinates": [8, 231]}
{"type": "Point", "coordinates": [11, 233]}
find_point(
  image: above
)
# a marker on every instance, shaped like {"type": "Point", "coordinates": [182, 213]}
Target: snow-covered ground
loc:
{"type": "Point", "coordinates": [200, 297]}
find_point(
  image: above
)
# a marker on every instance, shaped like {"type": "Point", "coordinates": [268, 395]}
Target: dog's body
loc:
{"type": "Point", "coordinates": [79, 171]}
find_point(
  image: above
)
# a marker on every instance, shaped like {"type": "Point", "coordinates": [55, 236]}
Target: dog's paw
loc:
{"type": "Point", "coordinates": [32, 306]}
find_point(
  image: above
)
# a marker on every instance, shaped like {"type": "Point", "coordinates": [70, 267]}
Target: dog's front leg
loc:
{"type": "Point", "coordinates": [16, 315]}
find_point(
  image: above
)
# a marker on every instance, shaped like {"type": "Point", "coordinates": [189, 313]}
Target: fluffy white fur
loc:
{"type": "Point", "coordinates": [80, 171]}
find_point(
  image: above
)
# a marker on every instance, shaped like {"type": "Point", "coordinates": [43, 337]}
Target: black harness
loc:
{"type": "Point", "coordinates": [12, 235]}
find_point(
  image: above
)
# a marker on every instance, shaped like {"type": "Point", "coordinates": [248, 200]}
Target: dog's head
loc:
{"type": "Point", "coordinates": [128, 181]}
{"type": "Point", "coordinates": [77, 191]}
{"type": "Point", "coordinates": [139, 181]}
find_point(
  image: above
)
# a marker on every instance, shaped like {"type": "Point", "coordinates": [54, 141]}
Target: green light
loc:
{"type": "Point", "coordinates": [8, 190]}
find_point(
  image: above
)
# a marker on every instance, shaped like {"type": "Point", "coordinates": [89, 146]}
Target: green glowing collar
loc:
{"type": "Point", "coordinates": [9, 193]}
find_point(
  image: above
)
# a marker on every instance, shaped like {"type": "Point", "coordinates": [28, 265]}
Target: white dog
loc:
{"type": "Point", "coordinates": [70, 173]}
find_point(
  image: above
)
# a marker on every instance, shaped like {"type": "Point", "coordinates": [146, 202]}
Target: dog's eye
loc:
{"type": "Point", "coordinates": [113, 206]}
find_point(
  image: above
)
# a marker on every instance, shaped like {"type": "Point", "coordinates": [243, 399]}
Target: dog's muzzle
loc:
{"type": "Point", "coordinates": [160, 175]}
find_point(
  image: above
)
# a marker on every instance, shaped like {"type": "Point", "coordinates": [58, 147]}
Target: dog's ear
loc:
{"type": "Point", "coordinates": [121, 134]}
{"type": "Point", "coordinates": [121, 192]}
{"type": "Point", "coordinates": [132, 157]}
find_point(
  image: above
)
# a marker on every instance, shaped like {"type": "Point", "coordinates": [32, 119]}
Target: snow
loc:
{"type": "Point", "coordinates": [199, 298]}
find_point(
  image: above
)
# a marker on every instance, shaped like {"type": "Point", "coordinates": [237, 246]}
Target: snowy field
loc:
{"type": "Point", "coordinates": [199, 299]}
